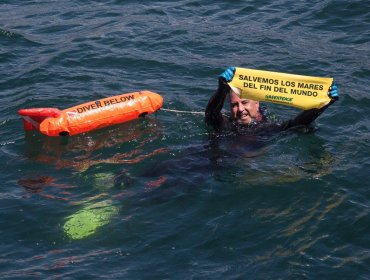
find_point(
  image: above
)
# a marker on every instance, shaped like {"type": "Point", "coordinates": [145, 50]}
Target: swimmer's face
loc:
{"type": "Point", "coordinates": [244, 111]}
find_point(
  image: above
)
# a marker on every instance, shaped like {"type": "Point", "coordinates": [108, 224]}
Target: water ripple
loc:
{"type": "Point", "coordinates": [291, 206]}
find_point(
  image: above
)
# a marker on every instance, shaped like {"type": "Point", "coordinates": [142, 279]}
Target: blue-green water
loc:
{"type": "Point", "coordinates": [170, 203]}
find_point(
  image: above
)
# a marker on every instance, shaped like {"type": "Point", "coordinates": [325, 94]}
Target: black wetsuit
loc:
{"type": "Point", "coordinates": [214, 117]}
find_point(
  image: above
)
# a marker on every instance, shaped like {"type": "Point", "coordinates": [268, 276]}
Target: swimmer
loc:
{"type": "Point", "coordinates": [247, 114]}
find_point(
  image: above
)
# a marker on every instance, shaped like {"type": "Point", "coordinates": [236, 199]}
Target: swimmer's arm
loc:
{"type": "Point", "coordinates": [306, 117]}
{"type": "Point", "coordinates": [213, 116]}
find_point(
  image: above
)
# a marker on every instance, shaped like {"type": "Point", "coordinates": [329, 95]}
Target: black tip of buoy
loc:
{"type": "Point", "coordinates": [64, 133]}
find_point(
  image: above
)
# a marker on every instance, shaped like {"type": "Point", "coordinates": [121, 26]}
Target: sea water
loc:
{"type": "Point", "coordinates": [159, 197]}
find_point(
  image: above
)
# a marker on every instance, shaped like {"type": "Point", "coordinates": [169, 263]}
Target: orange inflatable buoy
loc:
{"type": "Point", "coordinates": [91, 115]}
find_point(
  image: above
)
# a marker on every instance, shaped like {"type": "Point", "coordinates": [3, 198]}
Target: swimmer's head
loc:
{"type": "Point", "coordinates": [244, 111]}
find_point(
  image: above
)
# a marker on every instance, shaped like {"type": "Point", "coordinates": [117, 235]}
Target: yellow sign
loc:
{"type": "Point", "coordinates": [303, 92]}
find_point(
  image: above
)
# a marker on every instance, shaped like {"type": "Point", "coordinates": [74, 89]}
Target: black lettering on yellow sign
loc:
{"type": "Point", "coordinates": [260, 80]}
{"type": "Point", "coordinates": [99, 104]}
{"type": "Point", "coordinates": [310, 86]}
{"type": "Point", "coordinates": [265, 87]}
{"type": "Point", "coordinates": [280, 89]}
{"type": "Point", "coordinates": [250, 85]}
{"type": "Point", "coordinates": [303, 92]}
{"type": "Point", "coordinates": [287, 83]}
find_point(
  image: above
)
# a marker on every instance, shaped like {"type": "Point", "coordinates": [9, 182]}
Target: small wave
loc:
{"type": "Point", "coordinates": [15, 38]}
{"type": "Point", "coordinates": [7, 33]}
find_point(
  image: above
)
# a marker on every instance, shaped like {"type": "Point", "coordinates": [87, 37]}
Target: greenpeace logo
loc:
{"type": "Point", "coordinates": [279, 98]}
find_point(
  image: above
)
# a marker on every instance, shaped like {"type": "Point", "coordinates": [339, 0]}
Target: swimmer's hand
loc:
{"type": "Point", "coordinates": [228, 75]}
{"type": "Point", "coordinates": [334, 92]}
